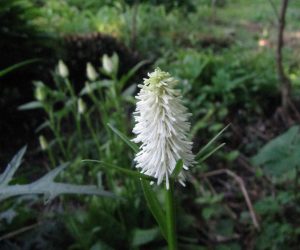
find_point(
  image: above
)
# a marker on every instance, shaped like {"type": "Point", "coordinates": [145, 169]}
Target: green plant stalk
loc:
{"type": "Point", "coordinates": [80, 135]}
{"type": "Point", "coordinates": [111, 101]}
{"type": "Point", "coordinates": [76, 117]}
{"type": "Point", "coordinates": [51, 157]}
{"type": "Point", "coordinates": [55, 131]}
{"type": "Point", "coordinates": [116, 94]}
{"type": "Point", "coordinates": [170, 218]}
{"type": "Point", "coordinates": [104, 117]}
{"type": "Point", "coordinates": [102, 111]}
{"type": "Point", "coordinates": [93, 133]}
{"type": "Point", "coordinates": [296, 183]}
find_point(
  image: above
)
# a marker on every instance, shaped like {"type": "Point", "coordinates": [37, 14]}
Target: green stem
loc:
{"type": "Point", "coordinates": [50, 155]}
{"type": "Point", "coordinates": [94, 135]}
{"type": "Point", "coordinates": [76, 116]}
{"type": "Point", "coordinates": [170, 218]}
{"type": "Point", "coordinates": [80, 135]}
{"type": "Point", "coordinates": [56, 132]}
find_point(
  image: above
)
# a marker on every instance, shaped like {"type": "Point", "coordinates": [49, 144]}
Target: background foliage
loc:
{"type": "Point", "coordinates": [223, 57]}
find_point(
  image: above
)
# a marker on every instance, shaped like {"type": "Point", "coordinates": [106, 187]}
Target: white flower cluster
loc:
{"type": "Point", "coordinates": [162, 127]}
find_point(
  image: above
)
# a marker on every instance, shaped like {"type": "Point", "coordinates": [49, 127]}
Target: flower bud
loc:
{"type": "Point", "coordinates": [91, 72]}
{"type": "Point", "coordinates": [43, 143]}
{"type": "Point", "coordinates": [62, 69]}
{"type": "Point", "coordinates": [40, 92]}
{"type": "Point", "coordinates": [81, 106]}
{"type": "Point", "coordinates": [107, 64]}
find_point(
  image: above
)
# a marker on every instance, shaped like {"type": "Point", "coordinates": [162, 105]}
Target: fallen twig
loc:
{"type": "Point", "coordinates": [241, 183]}
{"type": "Point", "coordinates": [18, 231]}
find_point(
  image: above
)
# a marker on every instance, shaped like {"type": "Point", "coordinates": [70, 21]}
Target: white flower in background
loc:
{"type": "Point", "coordinates": [162, 127]}
{"type": "Point", "coordinates": [110, 64]}
{"type": "Point", "coordinates": [40, 91]}
{"type": "Point", "coordinates": [43, 142]}
{"type": "Point", "coordinates": [81, 106]}
{"type": "Point", "coordinates": [107, 64]}
{"type": "Point", "coordinates": [62, 69]}
{"type": "Point", "coordinates": [91, 72]}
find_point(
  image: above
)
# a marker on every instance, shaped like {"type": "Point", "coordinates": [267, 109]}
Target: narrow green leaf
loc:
{"type": "Point", "coordinates": [211, 152]}
{"type": "Point", "coordinates": [126, 77]}
{"type": "Point", "coordinates": [16, 66]}
{"type": "Point", "coordinates": [210, 142]}
{"type": "Point", "coordinates": [31, 105]}
{"type": "Point", "coordinates": [95, 85]}
{"type": "Point", "coordinates": [242, 79]}
{"type": "Point", "coordinates": [134, 147]}
{"type": "Point", "coordinates": [201, 123]}
{"type": "Point", "coordinates": [126, 171]}
{"type": "Point", "coordinates": [177, 169]}
{"type": "Point", "coordinates": [44, 125]}
{"type": "Point", "coordinates": [155, 207]}
{"type": "Point", "coordinates": [12, 167]}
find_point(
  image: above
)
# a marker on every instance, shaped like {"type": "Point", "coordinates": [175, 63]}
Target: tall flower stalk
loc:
{"type": "Point", "coordinates": [161, 128]}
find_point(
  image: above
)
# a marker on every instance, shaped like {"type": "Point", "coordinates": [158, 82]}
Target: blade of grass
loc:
{"type": "Point", "coordinates": [155, 207]}
{"type": "Point", "coordinates": [211, 142]}
{"type": "Point", "coordinates": [126, 77]}
{"type": "Point", "coordinates": [211, 152]}
{"type": "Point", "coordinates": [17, 65]}
{"type": "Point", "coordinates": [132, 145]}
{"type": "Point", "coordinates": [120, 169]}
{"type": "Point", "coordinates": [12, 167]}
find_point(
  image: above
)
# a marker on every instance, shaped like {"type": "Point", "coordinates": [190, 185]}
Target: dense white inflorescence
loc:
{"type": "Point", "coordinates": [162, 127]}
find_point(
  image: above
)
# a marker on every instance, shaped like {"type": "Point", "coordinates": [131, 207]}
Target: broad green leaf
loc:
{"type": "Point", "coordinates": [280, 157]}
{"type": "Point", "coordinates": [124, 138]}
{"type": "Point", "coordinates": [144, 236]}
{"type": "Point", "coordinates": [155, 207]}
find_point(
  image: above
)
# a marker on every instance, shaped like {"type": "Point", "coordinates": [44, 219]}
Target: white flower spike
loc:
{"type": "Point", "coordinates": [162, 127]}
